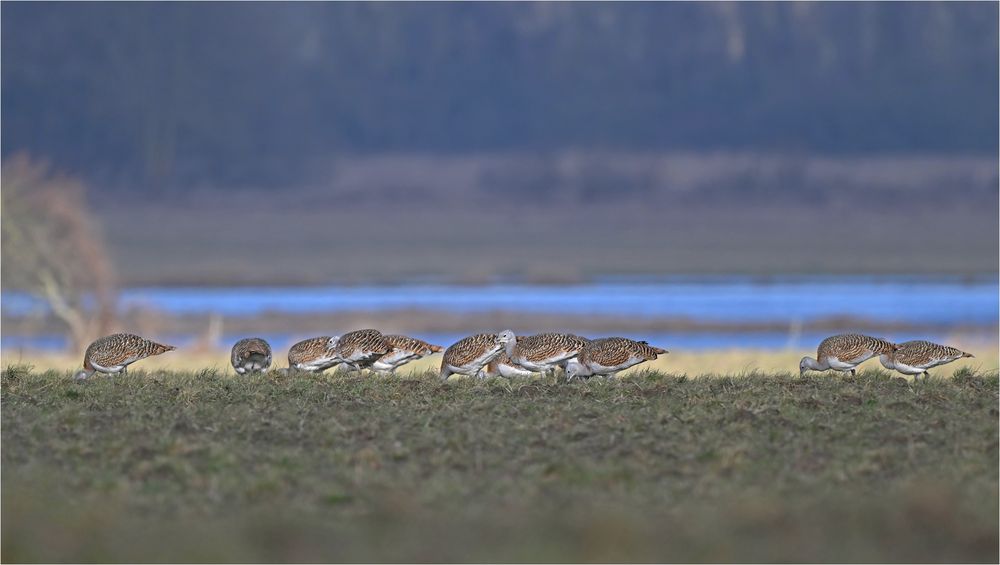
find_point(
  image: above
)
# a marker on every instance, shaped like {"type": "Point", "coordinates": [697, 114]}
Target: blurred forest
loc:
{"type": "Point", "coordinates": [303, 143]}
{"type": "Point", "coordinates": [169, 97]}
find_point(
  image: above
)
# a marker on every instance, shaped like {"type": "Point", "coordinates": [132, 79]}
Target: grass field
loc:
{"type": "Point", "coordinates": [319, 243]}
{"type": "Point", "coordinates": [204, 466]}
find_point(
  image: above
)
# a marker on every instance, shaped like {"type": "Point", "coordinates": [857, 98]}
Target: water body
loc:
{"type": "Point", "coordinates": [897, 300]}
{"type": "Point", "coordinates": [720, 299]}
{"type": "Point", "coordinates": [737, 302]}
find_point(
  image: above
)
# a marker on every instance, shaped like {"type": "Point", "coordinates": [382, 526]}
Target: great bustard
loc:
{"type": "Point", "coordinates": [404, 349]}
{"type": "Point", "coordinates": [361, 348]}
{"type": "Point", "coordinates": [541, 353]}
{"type": "Point", "coordinates": [469, 355]}
{"type": "Point", "coordinates": [250, 355]}
{"type": "Point", "coordinates": [607, 356]}
{"type": "Point", "coordinates": [916, 357]}
{"type": "Point", "coordinates": [844, 352]}
{"type": "Point", "coordinates": [314, 355]}
{"type": "Point", "coordinates": [112, 354]}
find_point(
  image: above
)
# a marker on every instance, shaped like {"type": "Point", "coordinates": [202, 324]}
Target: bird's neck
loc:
{"type": "Point", "coordinates": [816, 365]}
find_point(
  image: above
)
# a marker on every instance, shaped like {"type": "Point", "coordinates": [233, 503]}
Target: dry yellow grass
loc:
{"type": "Point", "coordinates": [691, 363]}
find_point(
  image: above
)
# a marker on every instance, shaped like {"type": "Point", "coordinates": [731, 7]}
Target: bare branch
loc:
{"type": "Point", "coordinates": [52, 249]}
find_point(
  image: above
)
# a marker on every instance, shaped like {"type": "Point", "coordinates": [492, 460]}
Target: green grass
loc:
{"type": "Point", "coordinates": [755, 467]}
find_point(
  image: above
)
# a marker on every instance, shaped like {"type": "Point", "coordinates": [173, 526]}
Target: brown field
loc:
{"type": "Point", "coordinates": [567, 217]}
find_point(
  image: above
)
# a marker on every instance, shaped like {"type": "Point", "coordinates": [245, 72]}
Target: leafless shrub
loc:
{"type": "Point", "coordinates": [53, 250]}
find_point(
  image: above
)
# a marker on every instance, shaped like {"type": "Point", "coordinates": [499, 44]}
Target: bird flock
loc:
{"type": "Point", "coordinates": [504, 354]}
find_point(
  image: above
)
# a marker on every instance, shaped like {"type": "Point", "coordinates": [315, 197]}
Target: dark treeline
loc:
{"type": "Point", "coordinates": [185, 94]}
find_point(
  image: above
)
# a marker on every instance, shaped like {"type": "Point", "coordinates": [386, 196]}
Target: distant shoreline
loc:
{"type": "Point", "coordinates": [664, 304]}
{"type": "Point", "coordinates": [640, 278]}
{"type": "Point", "coordinates": [209, 327]}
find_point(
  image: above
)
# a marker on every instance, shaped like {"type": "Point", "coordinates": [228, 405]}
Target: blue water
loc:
{"type": "Point", "coordinates": [732, 301]}
{"type": "Point", "coordinates": [735, 300]}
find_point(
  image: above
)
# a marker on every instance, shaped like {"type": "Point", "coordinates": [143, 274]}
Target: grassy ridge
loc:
{"type": "Point", "coordinates": [206, 466]}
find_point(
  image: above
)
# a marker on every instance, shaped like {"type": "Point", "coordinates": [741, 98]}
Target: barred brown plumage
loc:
{"type": "Point", "coordinates": [315, 354]}
{"type": "Point", "coordinates": [361, 348]}
{"type": "Point", "coordinates": [113, 354]}
{"type": "Point", "coordinates": [469, 355]}
{"type": "Point", "coordinates": [844, 352]}
{"type": "Point", "coordinates": [544, 352]}
{"type": "Point", "coordinates": [404, 349]}
{"type": "Point", "coordinates": [251, 354]}
{"type": "Point", "coordinates": [609, 355]}
{"type": "Point", "coordinates": [917, 356]}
